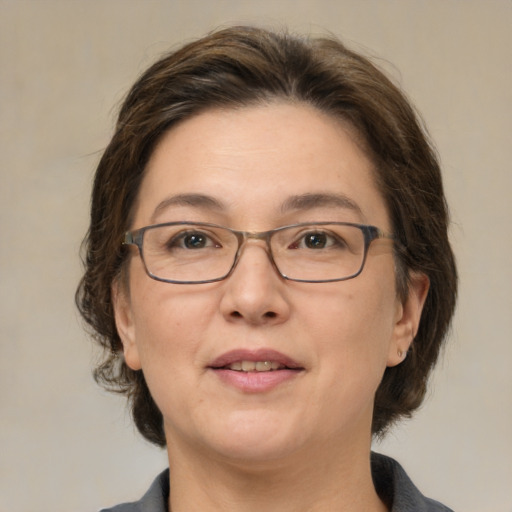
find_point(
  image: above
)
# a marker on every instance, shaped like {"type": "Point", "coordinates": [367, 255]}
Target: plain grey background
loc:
{"type": "Point", "coordinates": [68, 446]}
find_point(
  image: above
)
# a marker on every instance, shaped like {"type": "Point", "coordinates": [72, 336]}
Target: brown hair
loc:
{"type": "Point", "coordinates": [242, 66]}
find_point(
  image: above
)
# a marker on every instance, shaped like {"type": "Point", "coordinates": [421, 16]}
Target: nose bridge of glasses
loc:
{"type": "Point", "coordinates": [259, 239]}
{"type": "Point", "coordinates": [244, 237]}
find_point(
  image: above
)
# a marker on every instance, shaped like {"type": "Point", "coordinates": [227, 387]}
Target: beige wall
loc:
{"type": "Point", "coordinates": [66, 445]}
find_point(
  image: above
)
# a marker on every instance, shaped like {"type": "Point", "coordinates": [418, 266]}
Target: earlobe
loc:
{"type": "Point", "coordinates": [408, 318]}
{"type": "Point", "coordinates": [125, 325]}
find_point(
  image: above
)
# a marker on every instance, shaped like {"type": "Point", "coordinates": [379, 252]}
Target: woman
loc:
{"type": "Point", "coordinates": [269, 272]}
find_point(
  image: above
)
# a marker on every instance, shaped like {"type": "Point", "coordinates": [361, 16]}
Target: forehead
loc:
{"type": "Point", "coordinates": [252, 160]}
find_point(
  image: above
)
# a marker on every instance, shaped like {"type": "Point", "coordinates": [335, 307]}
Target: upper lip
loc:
{"type": "Point", "coordinates": [271, 355]}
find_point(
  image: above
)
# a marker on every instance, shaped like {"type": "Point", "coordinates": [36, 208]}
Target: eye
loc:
{"type": "Point", "coordinates": [317, 240]}
{"type": "Point", "coordinates": [193, 240]}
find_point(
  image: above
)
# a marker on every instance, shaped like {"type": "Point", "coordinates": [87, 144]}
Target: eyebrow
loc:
{"type": "Point", "coordinates": [200, 201]}
{"type": "Point", "coordinates": [320, 200]}
{"type": "Point", "coordinates": [306, 201]}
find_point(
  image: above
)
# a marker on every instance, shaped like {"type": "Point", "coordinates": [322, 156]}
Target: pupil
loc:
{"type": "Point", "coordinates": [194, 241]}
{"type": "Point", "coordinates": [315, 240]}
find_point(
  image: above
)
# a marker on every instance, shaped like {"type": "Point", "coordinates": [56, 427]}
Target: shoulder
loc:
{"type": "Point", "coordinates": [397, 490]}
{"type": "Point", "coordinates": [155, 500]}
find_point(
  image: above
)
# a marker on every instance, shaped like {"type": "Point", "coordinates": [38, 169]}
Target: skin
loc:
{"type": "Point", "coordinates": [304, 444]}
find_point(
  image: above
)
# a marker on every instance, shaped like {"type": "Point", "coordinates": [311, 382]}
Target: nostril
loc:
{"type": "Point", "coordinates": [268, 314]}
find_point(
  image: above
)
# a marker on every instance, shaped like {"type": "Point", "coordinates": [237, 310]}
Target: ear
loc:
{"type": "Point", "coordinates": [125, 324]}
{"type": "Point", "coordinates": [407, 318]}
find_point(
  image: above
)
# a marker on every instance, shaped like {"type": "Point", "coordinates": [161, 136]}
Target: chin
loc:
{"type": "Point", "coordinates": [256, 454]}
{"type": "Point", "coordinates": [253, 438]}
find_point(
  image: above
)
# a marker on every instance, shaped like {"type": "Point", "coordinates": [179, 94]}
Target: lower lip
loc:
{"type": "Point", "coordinates": [255, 382]}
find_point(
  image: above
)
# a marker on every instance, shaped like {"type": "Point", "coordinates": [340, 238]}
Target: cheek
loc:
{"type": "Point", "coordinates": [171, 322]}
{"type": "Point", "coordinates": [354, 328]}
{"type": "Point", "coordinates": [170, 330]}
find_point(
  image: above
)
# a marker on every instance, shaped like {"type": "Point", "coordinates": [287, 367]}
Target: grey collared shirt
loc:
{"type": "Point", "coordinates": [392, 483]}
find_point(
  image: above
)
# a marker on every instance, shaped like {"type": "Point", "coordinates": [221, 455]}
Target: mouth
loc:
{"type": "Point", "coordinates": [262, 360]}
{"type": "Point", "coordinates": [255, 371]}
{"type": "Point", "coordinates": [255, 366]}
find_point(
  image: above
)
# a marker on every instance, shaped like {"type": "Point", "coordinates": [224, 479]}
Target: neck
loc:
{"type": "Point", "coordinates": [323, 480]}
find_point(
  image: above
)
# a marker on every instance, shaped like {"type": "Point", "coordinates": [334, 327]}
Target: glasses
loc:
{"type": "Point", "coordinates": [197, 252]}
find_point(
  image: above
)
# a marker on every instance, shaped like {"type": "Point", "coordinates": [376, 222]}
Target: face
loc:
{"type": "Point", "coordinates": [329, 343]}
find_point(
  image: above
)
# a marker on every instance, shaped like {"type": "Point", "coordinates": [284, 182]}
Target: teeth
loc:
{"type": "Point", "coordinates": [255, 366]}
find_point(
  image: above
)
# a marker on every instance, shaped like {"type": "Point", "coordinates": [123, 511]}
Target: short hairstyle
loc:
{"type": "Point", "coordinates": [242, 66]}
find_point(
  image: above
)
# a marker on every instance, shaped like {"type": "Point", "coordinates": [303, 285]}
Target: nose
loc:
{"type": "Point", "coordinates": [255, 293]}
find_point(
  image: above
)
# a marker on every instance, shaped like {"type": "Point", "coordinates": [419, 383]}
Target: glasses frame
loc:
{"type": "Point", "coordinates": [370, 233]}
